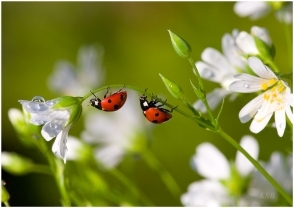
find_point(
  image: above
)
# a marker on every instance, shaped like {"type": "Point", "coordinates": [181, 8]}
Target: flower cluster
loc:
{"type": "Point", "coordinates": [235, 73]}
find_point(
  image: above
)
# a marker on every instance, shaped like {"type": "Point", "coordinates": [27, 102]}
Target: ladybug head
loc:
{"type": "Point", "coordinates": [144, 102]}
{"type": "Point", "coordinates": [96, 102]}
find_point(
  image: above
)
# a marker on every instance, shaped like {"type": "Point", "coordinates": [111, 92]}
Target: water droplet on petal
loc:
{"type": "Point", "coordinates": [281, 125]}
{"type": "Point", "coordinates": [50, 102]}
{"type": "Point", "coordinates": [38, 99]}
{"type": "Point", "coordinates": [51, 134]}
{"type": "Point", "coordinates": [246, 85]}
{"type": "Point", "coordinates": [53, 126]}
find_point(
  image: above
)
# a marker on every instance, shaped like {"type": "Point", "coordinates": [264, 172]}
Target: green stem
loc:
{"type": "Point", "coordinates": [194, 118]}
{"type": "Point", "coordinates": [6, 204]}
{"type": "Point", "coordinates": [288, 42]}
{"type": "Point", "coordinates": [57, 168]}
{"type": "Point", "coordinates": [130, 185]}
{"type": "Point", "coordinates": [256, 164]}
{"type": "Point", "coordinates": [43, 169]}
{"type": "Point", "coordinates": [204, 100]}
{"type": "Point", "coordinates": [166, 177]}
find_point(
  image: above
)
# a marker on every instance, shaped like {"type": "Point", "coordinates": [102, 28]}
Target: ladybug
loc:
{"type": "Point", "coordinates": [154, 113]}
{"type": "Point", "coordinates": [110, 103]}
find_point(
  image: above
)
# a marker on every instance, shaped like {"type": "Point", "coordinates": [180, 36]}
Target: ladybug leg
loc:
{"type": "Point", "coordinates": [171, 110]}
{"type": "Point", "coordinates": [106, 91]}
{"type": "Point", "coordinates": [121, 88]}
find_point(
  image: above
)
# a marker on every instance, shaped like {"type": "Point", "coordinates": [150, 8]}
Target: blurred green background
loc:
{"type": "Point", "coordinates": [137, 48]}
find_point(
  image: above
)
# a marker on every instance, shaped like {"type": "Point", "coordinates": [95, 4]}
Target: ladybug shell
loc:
{"type": "Point", "coordinates": [114, 102]}
{"type": "Point", "coordinates": [157, 115]}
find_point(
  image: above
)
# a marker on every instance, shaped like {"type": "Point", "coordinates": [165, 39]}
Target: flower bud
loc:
{"type": "Point", "coordinates": [263, 42]}
{"type": "Point", "coordinates": [72, 105]}
{"type": "Point", "coordinates": [4, 195]}
{"type": "Point", "coordinates": [174, 89]}
{"type": "Point", "coordinates": [180, 45]}
{"type": "Point", "coordinates": [15, 163]}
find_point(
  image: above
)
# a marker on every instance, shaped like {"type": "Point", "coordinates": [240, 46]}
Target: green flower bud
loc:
{"type": "Point", "coordinates": [174, 89]}
{"type": "Point", "coordinates": [72, 104]}
{"type": "Point", "coordinates": [263, 42]}
{"type": "Point", "coordinates": [180, 45]}
{"type": "Point", "coordinates": [4, 195]}
{"type": "Point", "coordinates": [16, 164]}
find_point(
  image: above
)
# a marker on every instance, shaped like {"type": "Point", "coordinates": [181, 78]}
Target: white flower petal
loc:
{"type": "Point", "coordinates": [289, 113]}
{"type": "Point", "coordinates": [288, 96]}
{"type": "Point", "coordinates": [244, 86]}
{"type": "Point", "coordinates": [250, 109]}
{"type": "Point", "coordinates": [258, 125]}
{"type": "Point", "coordinates": [34, 107]}
{"type": "Point", "coordinates": [110, 155]}
{"type": "Point", "coordinates": [218, 60]}
{"type": "Point", "coordinates": [52, 128]}
{"type": "Point", "coordinates": [214, 98]}
{"type": "Point", "coordinates": [260, 69]}
{"type": "Point", "coordinates": [250, 78]}
{"type": "Point", "coordinates": [210, 162]}
{"type": "Point", "coordinates": [209, 72]}
{"type": "Point", "coordinates": [243, 165]}
{"type": "Point", "coordinates": [261, 33]}
{"type": "Point", "coordinates": [59, 145]}
{"type": "Point", "coordinates": [232, 52]}
{"type": "Point", "coordinates": [280, 121]}
{"type": "Point", "coordinates": [246, 43]}
{"type": "Point", "coordinates": [206, 193]}
{"type": "Point", "coordinates": [253, 9]}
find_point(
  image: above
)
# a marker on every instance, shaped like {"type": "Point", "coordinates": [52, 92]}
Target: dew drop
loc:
{"type": "Point", "coordinates": [52, 135]}
{"type": "Point", "coordinates": [53, 126]}
{"type": "Point", "coordinates": [281, 125]}
{"type": "Point", "coordinates": [38, 99]}
{"type": "Point", "coordinates": [50, 102]}
{"type": "Point", "coordinates": [246, 85]}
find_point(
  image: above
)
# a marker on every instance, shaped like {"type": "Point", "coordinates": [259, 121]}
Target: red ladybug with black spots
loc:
{"type": "Point", "coordinates": [110, 103]}
{"type": "Point", "coordinates": [154, 114]}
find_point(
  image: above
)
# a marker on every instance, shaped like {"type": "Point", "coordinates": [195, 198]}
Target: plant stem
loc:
{"type": "Point", "coordinates": [201, 85]}
{"type": "Point", "coordinates": [44, 169]}
{"type": "Point", "coordinates": [166, 177]}
{"type": "Point", "coordinates": [57, 168]}
{"type": "Point", "coordinates": [256, 164]}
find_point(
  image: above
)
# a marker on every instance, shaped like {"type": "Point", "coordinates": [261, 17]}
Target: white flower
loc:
{"type": "Point", "coordinates": [220, 68]}
{"type": "Point", "coordinates": [57, 115]}
{"type": "Point", "coordinates": [281, 169]}
{"type": "Point", "coordinates": [69, 80]}
{"type": "Point", "coordinates": [252, 9]}
{"type": "Point", "coordinates": [247, 44]}
{"type": "Point", "coordinates": [276, 98]}
{"type": "Point", "coordinates": [210, 163]}
{"type": "Point", "coordinates": [257, 9]}
{"type": "Point", "coordinates": [116, 133]}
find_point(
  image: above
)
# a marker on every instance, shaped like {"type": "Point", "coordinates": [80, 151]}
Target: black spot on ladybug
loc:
{"type": "Point", "coordinates": [109, 100]}
{"type": "Point", "coordinates": [121, 97]}
{"type": "Point", "coordinates": [154, 121]}
{"type": "Point", "coordinates": [156, 114]}
{"type": "Point", "coordinates": [115, 106]}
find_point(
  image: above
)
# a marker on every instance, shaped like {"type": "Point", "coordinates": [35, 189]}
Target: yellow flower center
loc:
{"type": "Point", "coordinates": [269, 83]}
{"type": "Point", "coordinates": [276, 93]}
